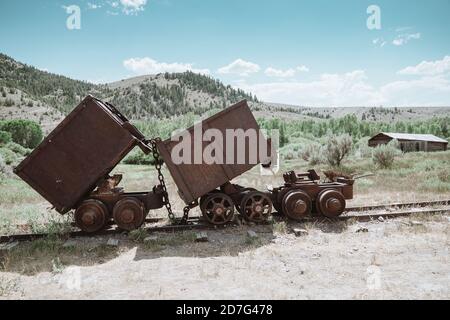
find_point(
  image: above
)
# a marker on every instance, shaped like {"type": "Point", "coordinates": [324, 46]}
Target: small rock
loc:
{"type": "Point", "coordinates": [415, 223]}
{"type": "Point", "coordinates": [252, 234]}
{"type": "Point", "coordinates": [150, 239]}
{"type": "Point", "coordinates": [201, 237]}
{"type": "Point", "coordinates": [300, 232]}
{"type": "Point", "coordinates": [362, 230]}
{"type": "Point", "coordinates": [6, 247]}
{"type": "Point", "coordinates": [251, 224]}
{"type": "Point", "coordinates": [316, 256]}
{"type": "Point", "coordinates": [113, 242]}
{"type": "Point", "coordinates": [355, 249]}
{"type": "Point", "coordinates": [381, 219]}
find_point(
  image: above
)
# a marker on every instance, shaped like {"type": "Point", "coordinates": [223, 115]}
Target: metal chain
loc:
{"type": "Point", "coordinates": [158, 167]}
{"type": "Point", "coordinates": [185, 218]}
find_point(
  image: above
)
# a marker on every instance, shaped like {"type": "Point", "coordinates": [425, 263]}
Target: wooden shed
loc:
{"type": "Point", "coordinates": [410, 142]}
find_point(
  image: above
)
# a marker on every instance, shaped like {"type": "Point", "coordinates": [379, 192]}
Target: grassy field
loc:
{"type": "Point", "coordinates": [414, 176]}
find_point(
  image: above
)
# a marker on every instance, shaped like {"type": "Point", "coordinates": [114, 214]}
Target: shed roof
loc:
{"type": "Point", "coordinates": [415, 137]}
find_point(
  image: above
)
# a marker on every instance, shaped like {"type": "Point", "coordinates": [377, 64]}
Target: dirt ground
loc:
{"type": "Point", "coordinates": [397, 259]}
{"type": "Point", "coordinates": [393, 259]}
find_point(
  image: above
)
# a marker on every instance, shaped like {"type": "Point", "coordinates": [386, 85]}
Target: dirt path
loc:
{"type": "Point", "coordinates": [401, 259]}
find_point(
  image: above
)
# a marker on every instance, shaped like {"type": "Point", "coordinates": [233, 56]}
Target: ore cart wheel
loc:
{"type": "Point", "coordinates": [203, 198]}
{"type": "Point", "coordinates": [256, 206]}
{"type": "Point", "coordinates": [217, 208]}
{"type": "Point", "coordinates": [129, 213]}
{"type": "Point", "coordinates": [330, 203]}
{"type": "Point", "coordinates": [296, 204]}
{"type": "Point", "coordinates": [238, 205]}
{"type": "Point", "coordinates": [91, 216]}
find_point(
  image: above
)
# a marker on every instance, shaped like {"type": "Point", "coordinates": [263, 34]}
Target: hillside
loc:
{"type": "Point", "coordinates": [374, 114]}
{"type": "Point", "coordinates": [167, 94]}
{"type": "Point", "coordinates": [27, 92]}
{"type": "Point", "coordinates": [30, 93]}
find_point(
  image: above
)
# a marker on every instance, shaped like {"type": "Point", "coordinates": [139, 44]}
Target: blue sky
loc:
{"type": "Point", "coordinates": [318, 53]}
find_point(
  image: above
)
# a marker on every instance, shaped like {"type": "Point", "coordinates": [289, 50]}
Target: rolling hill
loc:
{"type": "Point", "coordinates": [29, 93]}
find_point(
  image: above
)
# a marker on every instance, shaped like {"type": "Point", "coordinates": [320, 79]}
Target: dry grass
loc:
{"type": "Point", "coordinates": [164, 240]}
{"type": "Point", "coordinates": [280, 227]}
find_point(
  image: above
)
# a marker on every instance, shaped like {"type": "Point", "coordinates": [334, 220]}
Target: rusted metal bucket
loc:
{"type": "Point", "coordinates": [86, 146]}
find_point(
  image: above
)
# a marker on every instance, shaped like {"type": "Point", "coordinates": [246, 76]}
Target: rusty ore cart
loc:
{"type": "Point", "coordinates": [302, 195]}
{"type": "Point", "coordinates": [209, 184]}
{"type": "Point", "coordinates": [71, 167]}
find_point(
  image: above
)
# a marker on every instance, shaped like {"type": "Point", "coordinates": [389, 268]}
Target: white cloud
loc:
{"type": "Point", "coordinates": [353, 89]}
{"type": "Point", "coordinates": [428, 91]}
{"type": "Point", "coordinates": [379, 42]}
{"type": "Point", "coordinates": [93, 6]}
{"type": "Point", "coordinates": [405, 38]}
{"type": "Point", "coordinates": [129, 7]}
{"type": "Point", "coordinates": [272, 72]}
{"type": "Point", "coordinates": [289, 73]}
{"type": "Point", "coordinates": [302, 69]}
{"type": "Point", "coordinates": [142, 66]}
{"type": "Point", "coordinates": [428, 68]}
{"type": "Point", "coordinates": [330, 89]}
{"type": "Point", "coordinates": [240, 67]}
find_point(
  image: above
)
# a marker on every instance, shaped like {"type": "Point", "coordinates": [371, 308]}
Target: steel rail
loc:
{"type": "Point", "coordinates": [196, 223]}
{"type": "Point", "coordinates": [398, 205]}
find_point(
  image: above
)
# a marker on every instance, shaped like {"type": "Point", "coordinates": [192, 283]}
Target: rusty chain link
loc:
{"type": "Point", "coordinates": [158, 167]}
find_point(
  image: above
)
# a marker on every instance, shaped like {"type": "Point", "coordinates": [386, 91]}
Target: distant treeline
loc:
{"type": "Point", "coordinates": [356, 128]}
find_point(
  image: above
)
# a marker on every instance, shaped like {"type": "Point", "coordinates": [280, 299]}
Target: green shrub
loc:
{"type": "Point", "coordinates": [138, 157]}
{"type": "Point", "coordinates": [3, 167]}
{"type": "Point", "coordinates": [313, 153]}
{"type": "Point", "coordinates": [337, 148]}
{"type": "Point", "coordinates": [444, 176]}
{"type": "Point", "coordinates": [434, 184]}
{"type": "Point", "coordinates": [9, 156]}
{"type": "Point", "coordinates": [384, 155]}
{"type": "Point", "coordinates": [27, 133]}
{"type": "Point", "coordinates": [5, 137]}
{"type": "Point", "coordinates": [362, 149]}
{"type": "Point", "coordinates": [17, 148]}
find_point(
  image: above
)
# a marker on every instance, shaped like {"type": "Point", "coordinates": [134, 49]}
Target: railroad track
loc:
{"type": "Point", "coordinates": [196, 223]}
{"type": "Point", "coordinates": [398, 205]}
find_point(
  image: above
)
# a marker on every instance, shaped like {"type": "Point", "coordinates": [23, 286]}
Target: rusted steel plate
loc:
{"type": "Point", "coordinates": [195, 180]}
{"type": "Point", "coordinates": [84, 147]}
